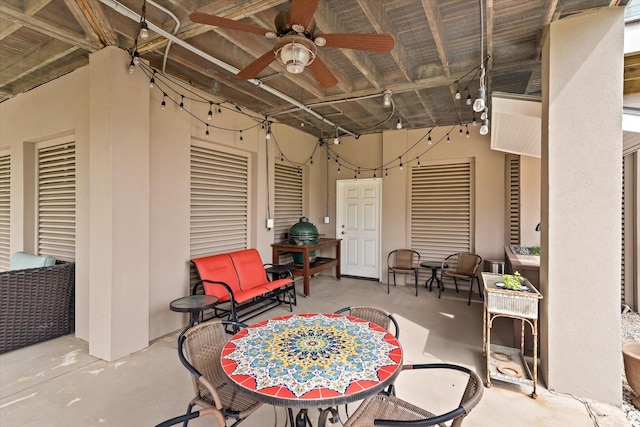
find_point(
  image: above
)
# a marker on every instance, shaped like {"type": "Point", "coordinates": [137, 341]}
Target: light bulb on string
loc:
{"type": "Point", "coordinates": [399, 124]}
{"type": "Point", "coordinates": [182, 103]}
{"type": "Point", "coordinates": [311, 160]}
{"type": "Point", "coordinates": [136, 57]}
{"type": "Point", "coordinates": [474, 121]}
{"type": "Point", "coordinates": [132, 67]}
{"type": "Point", "coordinates": [210, 114]}
{"type": "Point", "coordinates": [457, 96]}
{"type": "Point", "coordinates": [206, 134]}
{"type": "Point", "coordinates": [483, 115]}
{"type": "Point", "coordinates": [429, 140]}
{"type": "Point", "coordinates": [268, 135]}
{"type": "Point", "coordinates": [418, 161]}
{"type": "Point", "coordinates": [484, 129]}
{"type": "Point", "coordinates": [467, 130]}
{"type": "Point", "coordinates": [219, 110]}
{"type": "Point", "coordinates": [152, 82]}
{"type": "Point", "coordinates": [338, 168]}
{"type": "Point", "coordinates": [386, 172]}
{"type": "Point", "coordinates": [144, 30]}
{"type": "Point", "coordinates": [479, 103]}
{"type": "Point", "coordinates": [336, 140]}
{"type": "Point", "coordinates": [241, 138]}
{"type": "Point", "coordinates": [164, 104]}
{"type": "Point", "coordinates": [400, 158]}
{"type": "Point", "coordinates": [281, 157]}
{"type": "Point", "coordinates": [468, 101]}
{"type": "Point", "coordinates": [374, 174]}
{"type": "Point", "coordinates": [448, 139]}
{"type": "Point", "coordinates": [460, 130]}
{"type": "Point", "coordinates": [355, 176]}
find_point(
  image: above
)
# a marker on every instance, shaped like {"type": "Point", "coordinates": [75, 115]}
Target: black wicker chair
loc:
{"type": "Point", "coordinates": [36, 304]}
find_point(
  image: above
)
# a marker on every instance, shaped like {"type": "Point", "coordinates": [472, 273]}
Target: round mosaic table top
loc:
{"type": "Point", "coordinates": [305, 360]}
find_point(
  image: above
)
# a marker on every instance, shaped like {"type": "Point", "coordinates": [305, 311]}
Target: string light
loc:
{"type": "Point", "coordinates": [468, 101]}
{"type": "Point", "coordinates": [484, 129]}
{"type": "Point", "coordinates": [429, 141]}
{"type": "Point", "coordinates": [206, 134]}
{"type": "Point", "coordinates": [182, 103]}
{"type": "Point", "coordinates": [400, 158]}
{"type": "Point", "coordinates": [457, 96]}
{"type": "Point", "coordinates": [386, 172]}
{"type": "Point", "coordinates": [474, 122]}
{"type": "Point", "coordinates": [241, 138]}
{"type": "Point", "coordinates": [374, 174]}
{"type": "Point", "coordinates": [448, 139]}
{"type": "Point", "coordinates": [136, 57]}
{"type": "Point", "coordinates": [164, 104]}
{"type": "Point", "coordinates": [210, 114]}
{"type": "Point", "coordinates": [132, 67]}
{"type": "Point", "coordinates": [281, 157]}
{"type": "Point", "coordinates": [219, 110]}
{"type": "Point", "coordinates": [399, 124]}
{"type": "Point", "coordinates": [467, 126]}
{"type": "Point", "coordinates": [311, 160]}
{"type": "Point", "coordinates": [144, 30]}
{"type": "Point", "coordinates": [339, 168]}
{"type": "Point", "coordinates": [460, 130]}
{"type": "Point", "coordinates": [418, 161]}
{"type": "Point", "coordinates": [268, 135]}
{"type": "Point", "coordinates": [386, 99]}
{"type": "Point", "coordinates": [152, 82]}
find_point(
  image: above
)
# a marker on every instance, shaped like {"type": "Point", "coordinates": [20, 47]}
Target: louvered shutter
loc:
{"type": "Point", "coordinates": [288, 199]}
{"type": "Point", "coordinates": [219, 201]}
{"type": "Point", "coordinates": [5, 203]}
{"type": "Point", "coordinates": [441, 203]}
{"type": "Point", "coordinates": [56, 201]}
{"type": "Point", "coordinates": [513, 189]}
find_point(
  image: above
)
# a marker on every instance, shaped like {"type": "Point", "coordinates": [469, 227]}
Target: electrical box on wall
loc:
{"type": "Point", "coordinates": [325, 220]}
{"type": "Point", "coordinates": [269, 223]}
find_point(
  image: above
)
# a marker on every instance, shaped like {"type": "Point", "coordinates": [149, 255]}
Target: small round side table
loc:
{"type": "Point", "coordinates": [194, 305]}
{"type": "Point", "coordinates": [434, 266]}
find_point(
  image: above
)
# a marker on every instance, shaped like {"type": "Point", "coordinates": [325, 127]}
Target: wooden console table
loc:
{"type": "Point", "coordinates": [307, 269]}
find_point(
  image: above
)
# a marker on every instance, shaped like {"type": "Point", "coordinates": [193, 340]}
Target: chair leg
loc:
{"type": "Point", "coordinates": [416, 274]}
{"type": "Point", "coordinates": [480, 289]}
{"type": "Point", "coordinates": [189, 409]}
{"type": "Point", "coordinates": [456, 283]}
{"type": "Point", "coordinates": [470, 290]}
{"type": "Point", "coordinates": [388, 280]}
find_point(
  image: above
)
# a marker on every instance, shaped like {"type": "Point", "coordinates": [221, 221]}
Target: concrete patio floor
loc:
{"type": "Point", "coordinates": [57, 383]}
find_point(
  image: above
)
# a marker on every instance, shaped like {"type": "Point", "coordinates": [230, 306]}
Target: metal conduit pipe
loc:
{"type": "Point", "coordinates": [337, 101]}
{"type": "Point", "coordinates": [175, 30]}
{"type": "Point", "coordinates": [123, 10]}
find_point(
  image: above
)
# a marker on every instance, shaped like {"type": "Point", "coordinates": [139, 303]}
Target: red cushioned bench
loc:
{"type": "Point", "coordinates": [240, 282]}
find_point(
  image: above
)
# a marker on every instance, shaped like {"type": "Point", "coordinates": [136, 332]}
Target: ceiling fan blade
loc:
{"type": "Point", "coordinates": [302, 11]}
{"type": "Point", "coordinates": [217, 21]}
{"type": "Point", "coordinates": [382, 43]}
{"type": "Point", "coordinates": [253, 69]}
{"type": "Point", "coordinates": [322, 74]}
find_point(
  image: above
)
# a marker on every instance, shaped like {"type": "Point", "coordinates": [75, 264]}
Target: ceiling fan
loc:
{"type": "Point", "coordinates": [295, 42]}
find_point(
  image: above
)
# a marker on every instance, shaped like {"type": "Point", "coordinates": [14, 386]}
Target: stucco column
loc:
{"type": "Point", "coordinates": [119, 206]}
{"type": "Point", "coordinates": [581, 205]}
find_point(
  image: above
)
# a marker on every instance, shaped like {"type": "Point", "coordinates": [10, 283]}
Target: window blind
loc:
{"type": "Point", "coordinates": [219, 201]}
{"type": "Point", "coordinates": [513, 188]}
{"type": "Point", "coordinates": [5, 203]}
{"type": "Point", "coordinates": [441, 203]}
{"type": "Point", "coordinates": [56, 201]}
{"type": "Point", "coordinates": [288, 199]}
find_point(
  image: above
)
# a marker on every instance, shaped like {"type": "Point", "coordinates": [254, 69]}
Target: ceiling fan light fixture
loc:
{"type": "Point", "coordinates": [320, 41]}
{"type": "Point", "coordinates": [295, 53]}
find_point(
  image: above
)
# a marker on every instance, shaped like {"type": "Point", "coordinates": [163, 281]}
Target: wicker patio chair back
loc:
{"type": "Point", "coordinates": [376, 315]}
{"type": "Point", "coordinates": [200, 349]}
{"type": "Point", "coordinates": [389, 410]}
{"type": "Point", "coordinates": [462, 265]}
{"type": "Point", "coordinates": [403, 261]}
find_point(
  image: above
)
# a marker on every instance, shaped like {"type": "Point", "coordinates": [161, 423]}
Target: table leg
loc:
{"type": "Point", "coordinates": [338, 259]}
{"type": "Point", "coordinates": [305, 270]}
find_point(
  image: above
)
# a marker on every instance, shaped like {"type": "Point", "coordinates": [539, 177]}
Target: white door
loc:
{"type": "Point", "coordinates": [358, 225]}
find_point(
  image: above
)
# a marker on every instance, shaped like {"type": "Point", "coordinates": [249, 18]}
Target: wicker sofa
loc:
{"type": "Point", "coordinates": [36, 304]}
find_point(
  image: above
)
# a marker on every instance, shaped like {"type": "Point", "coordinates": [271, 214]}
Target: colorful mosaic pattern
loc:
{"type": "Point", "coordinates": [312, 357]}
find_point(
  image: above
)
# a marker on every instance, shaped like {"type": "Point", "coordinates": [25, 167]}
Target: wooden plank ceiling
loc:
{"type": "Point", "coordinates": [437, 51]}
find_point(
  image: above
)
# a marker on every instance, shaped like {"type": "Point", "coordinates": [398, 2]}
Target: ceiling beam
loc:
{"type": "Point", "coordinates": [91, 16]}
{"type": "Point", "coordinates": [31, 8]}
{"type": "Point", "coordinates": [16, 15]}
{"type": "Point", "coordinates": [32, 61]}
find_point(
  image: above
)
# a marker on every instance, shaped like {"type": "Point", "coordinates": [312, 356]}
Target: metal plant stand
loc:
{"type": "Point", "coordinates": [506, 363]}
